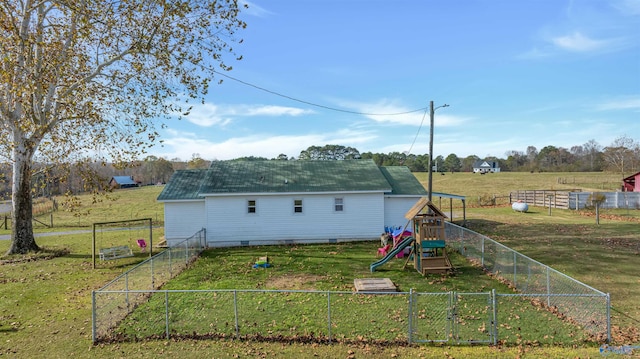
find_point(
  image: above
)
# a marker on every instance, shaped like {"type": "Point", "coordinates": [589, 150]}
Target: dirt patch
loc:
{"type": "Point", "coordinates": [293, 281]}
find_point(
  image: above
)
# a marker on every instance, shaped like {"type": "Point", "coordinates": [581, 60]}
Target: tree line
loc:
{"type": "Point", "coordinates": [623, 156]}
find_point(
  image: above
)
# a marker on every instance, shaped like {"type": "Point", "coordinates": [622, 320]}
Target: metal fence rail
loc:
{"type": "Point", "coordinates": [148, 275]}
{"type": "Point", "coordinates": [543, 285]}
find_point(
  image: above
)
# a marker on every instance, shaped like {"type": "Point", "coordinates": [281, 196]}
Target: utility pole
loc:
{"type": "Point", "coordinates": [432, 111]}
{"type": "Point", "coordinates": [431, 115]}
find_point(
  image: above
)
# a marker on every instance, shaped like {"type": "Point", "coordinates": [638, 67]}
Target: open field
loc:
{"type": "Point", "coordinates": [45, 305]}
{"type": "Point", "coordinates": [470, 184]}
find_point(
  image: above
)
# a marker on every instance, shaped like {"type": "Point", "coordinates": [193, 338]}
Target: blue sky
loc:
{"type": "Point", "coordinates": [514, 74]}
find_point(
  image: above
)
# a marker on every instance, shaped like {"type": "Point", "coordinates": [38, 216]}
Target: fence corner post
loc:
{"type": "Point", "coordinates": [608, 318]}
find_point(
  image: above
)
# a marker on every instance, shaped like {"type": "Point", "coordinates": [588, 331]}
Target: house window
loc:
{"type": "Point", "coordinates": [338, 204]}
{"type": "Point", "coordinates": [297, 206]}
{"type": "Point", "coordinates": [251, 206]}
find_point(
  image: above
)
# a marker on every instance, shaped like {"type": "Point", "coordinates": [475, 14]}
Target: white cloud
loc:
{"type": "Point", "coordinates": [579, 43]}
{"type": "Point", "coordinates": [208, 114]}
{"type": "Point", "coordinates": [389, 111]}
{"type": "Point", "coordinates": [271, 110]}
{"type": "Point", "coordinates": [627, 7]}
{"type": "Point", "coordinates": [629, 103]}
{"type": "Point", "coordinates": [183, 144]}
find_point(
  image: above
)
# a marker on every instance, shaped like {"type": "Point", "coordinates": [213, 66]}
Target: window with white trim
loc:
{"type": "Point", "coordinates": [251, 206]}
{"type": "Point", "coordinates": [338, 204]}
{"type": "Point", "coordinates": [297, 206]}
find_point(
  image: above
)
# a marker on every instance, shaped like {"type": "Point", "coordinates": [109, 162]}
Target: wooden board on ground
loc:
{"type": "Point", "coordinates": [374, 285]}
{"type": "Point", "coordinates": [163, 243]}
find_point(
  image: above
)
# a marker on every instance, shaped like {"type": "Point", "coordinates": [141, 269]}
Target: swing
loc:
{"type": "Point", "coordinates": [116, 252]}
{"type": "Point", "coordinates": [142, 244]}
{"type": "Point", "coordinates": [115, 246]}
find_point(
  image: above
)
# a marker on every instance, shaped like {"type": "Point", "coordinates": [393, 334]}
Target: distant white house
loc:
{"type": "Point", "coordinates": [483, 166]}
{"type": "Point", "coordinates": [278, 202]}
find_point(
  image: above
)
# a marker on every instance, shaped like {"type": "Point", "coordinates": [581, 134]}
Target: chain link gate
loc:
{"type": "Point", "coordinates": [455, 318]}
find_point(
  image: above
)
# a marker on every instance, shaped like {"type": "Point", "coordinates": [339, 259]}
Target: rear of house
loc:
{"type": "Point", "coordinates": [272, 202]}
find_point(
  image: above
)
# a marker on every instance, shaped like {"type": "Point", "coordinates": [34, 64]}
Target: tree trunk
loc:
{"type": "Point", "coordinates": [22, 239]}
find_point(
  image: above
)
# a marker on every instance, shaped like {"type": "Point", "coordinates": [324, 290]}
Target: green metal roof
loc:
{"type": "Point", "coordinates": [290, 176]}
{"type": "Point", "coordinates": [403, 181]}
{"type": "Point", "coordinates": [183, 184]}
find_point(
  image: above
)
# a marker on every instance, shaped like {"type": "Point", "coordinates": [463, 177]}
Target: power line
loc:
{"type": "Point", "coordinates": [425, 109]}
{"type": "Point", "coordinates": [418, 132]}
{"type": "Point", "coordinates": [318, 105]}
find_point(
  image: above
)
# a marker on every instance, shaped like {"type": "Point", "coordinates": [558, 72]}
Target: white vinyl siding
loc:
{"type": "Point", "coordinates": [229, 222]}
{"type": "Point", "coordinates": [183, 219]}
{"type": "Point", "coordinates": [395, 207]}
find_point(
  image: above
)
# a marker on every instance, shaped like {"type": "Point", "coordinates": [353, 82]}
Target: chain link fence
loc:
{"type": "Point", "coordinates": [535, 282]}
{"type": "Point", "coordinates": [131, 289]}
{"type": "Point", "coordinates": [318, 316]}
{"type": "Point", "coordinates": [132, 308]}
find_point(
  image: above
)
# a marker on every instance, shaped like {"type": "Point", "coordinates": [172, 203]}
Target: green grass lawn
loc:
{"type": "Point", "coordinates": [362, 318]}
{"type": "Point", "coordinates": [45, 305]}
{"type": "Point", "coordinates": [604, 256]}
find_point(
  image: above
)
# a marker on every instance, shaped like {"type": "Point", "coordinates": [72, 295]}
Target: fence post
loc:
{"type": "Point", "coordinates": [494, 322]}
{"type": "Point", "coordinates": [548, 288]}
{"type": "Point", "coordinates": [608, 318]}
{"type": "Point", "coordinates": [126, 293]}
{"type": "Point", "coordinates": [450, 318]}
{"type": "Point", "coordinates": [170, 268]}
{"type": "Point", "coordinates": [482, 260]}
{"type": "Point", "coordinates": [329, 316]}
{"type": "Point", "coordinates": [515, 269]}
{"type": "Point", "coordinates": [152, 278]}
{"type": "Point", "coordinates": [235, 311]}
{"type": "Point", "coordinates": [166, 311]}
{"type": "Point", "coordinates": [410, 311]}
{"type": "Point", "coordinates": [93, 316]}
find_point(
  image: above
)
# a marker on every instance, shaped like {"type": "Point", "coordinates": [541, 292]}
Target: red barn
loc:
{"type": "Point", "coordinates": [631, 183]}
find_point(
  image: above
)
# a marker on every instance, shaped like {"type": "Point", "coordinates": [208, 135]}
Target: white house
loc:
{"type": "Point", "coordinates": [272, 202]}
{"type": "Point", "coordinates": [483, 166]}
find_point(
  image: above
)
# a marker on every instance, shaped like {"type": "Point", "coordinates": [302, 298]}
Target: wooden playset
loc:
{"type": "Point", "coordinates": [429, 251]}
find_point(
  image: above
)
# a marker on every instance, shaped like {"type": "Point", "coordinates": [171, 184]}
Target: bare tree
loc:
{"type": "Point", "coordinates": [592, 150]}
{"type": "Point", "coordinates": [83, 79]}
{"type": "Point", "coordinates": [620, 156]}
